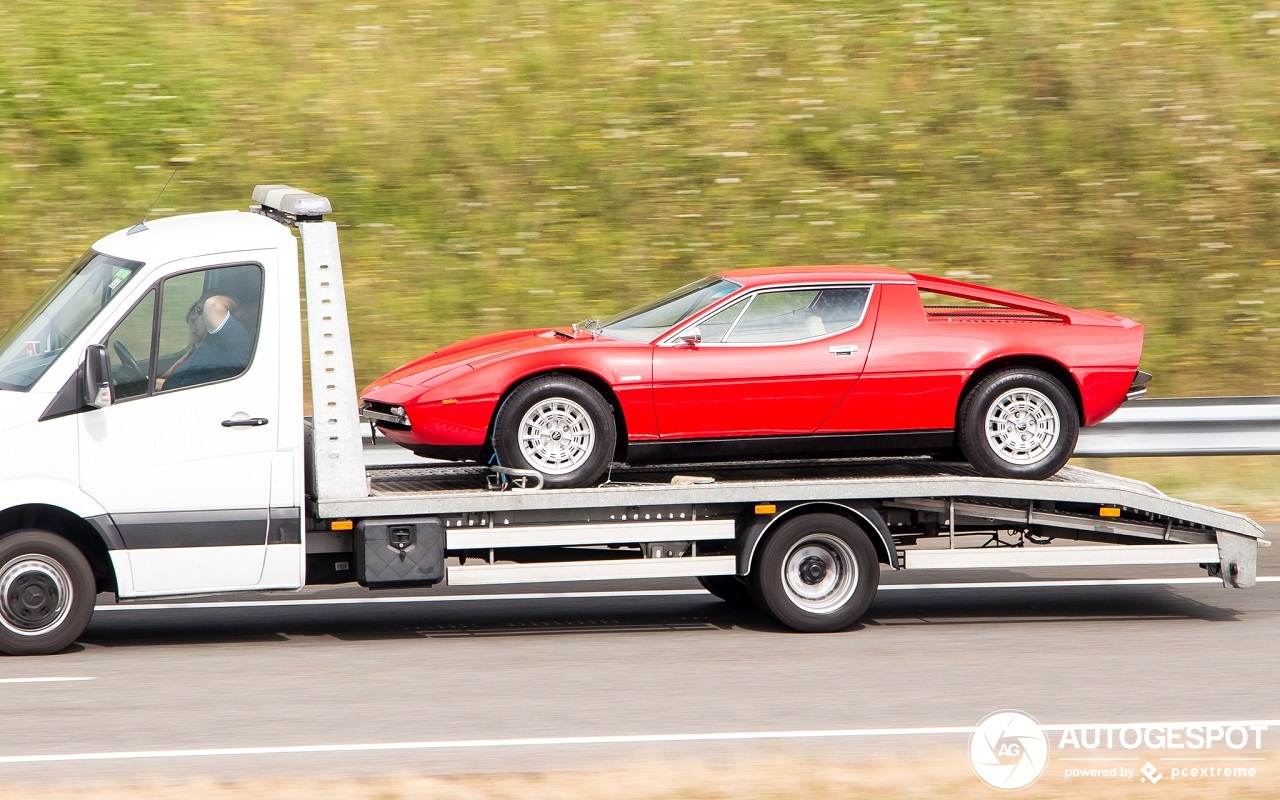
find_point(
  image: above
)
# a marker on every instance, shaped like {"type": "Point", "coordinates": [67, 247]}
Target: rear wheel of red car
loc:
{"type": "Point", "coordinates": [1018, 423]}
{"type": "Point", "coordinates": [558, 426]}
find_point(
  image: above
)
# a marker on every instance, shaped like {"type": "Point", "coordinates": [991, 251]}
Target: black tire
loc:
{"type": "Point", "coordinates": [1024, 447]}
{"type": "Point", "coordinates": [579, 402]}
{"type": "Point", "coordinates": [825, 547]}
{"type": "Point", "coordinates": [46, 593]}
{"type": "Point", "coordinates": [729, 588]}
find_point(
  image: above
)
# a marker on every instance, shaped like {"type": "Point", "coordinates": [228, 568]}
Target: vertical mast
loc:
{"type": "Point", "coordinates": [336, 449]}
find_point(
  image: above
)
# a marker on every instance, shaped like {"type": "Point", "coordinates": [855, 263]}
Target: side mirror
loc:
{"type": "Point", "coordinates": [96, 375]}
{"type": "Point", "coordinates": [691, 337]}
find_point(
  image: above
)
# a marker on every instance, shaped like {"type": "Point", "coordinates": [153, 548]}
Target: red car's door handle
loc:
{"type": "Point", "coordinates": [251, 422]}
{"type": "Point", "coordinates": [842, 349]}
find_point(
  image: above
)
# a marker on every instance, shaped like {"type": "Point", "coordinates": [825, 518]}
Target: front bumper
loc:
{"type": "Point", "coordinates": [385, 414]}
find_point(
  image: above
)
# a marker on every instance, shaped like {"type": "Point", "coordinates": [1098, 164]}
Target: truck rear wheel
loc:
{"type": "Point", "coordinates": [46, 593]}
{"type": "Point", "coordinates": [816, 573]}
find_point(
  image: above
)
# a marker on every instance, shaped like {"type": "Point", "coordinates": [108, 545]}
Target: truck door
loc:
{"type": "Point", "coordinates": [183, 458]}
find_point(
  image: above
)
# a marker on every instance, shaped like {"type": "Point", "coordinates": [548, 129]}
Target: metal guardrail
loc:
{"type": "Point", "coordinates": [1194, 426]}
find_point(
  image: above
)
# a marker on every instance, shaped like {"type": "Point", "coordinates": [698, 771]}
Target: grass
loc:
{"type": "Point", "coordinates": [771, 778]}
{"type": "Point", "coordinates": [1248, 485]}
{"type": "Point", "coordinates": [500, 164]}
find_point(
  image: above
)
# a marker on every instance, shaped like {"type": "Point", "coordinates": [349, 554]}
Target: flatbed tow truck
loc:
{"type": "Point", "coordinates": [115, 483]}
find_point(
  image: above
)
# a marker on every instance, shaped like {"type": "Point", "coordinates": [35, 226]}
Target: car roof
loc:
{"type": "Point", "coordinates": [774, 276]}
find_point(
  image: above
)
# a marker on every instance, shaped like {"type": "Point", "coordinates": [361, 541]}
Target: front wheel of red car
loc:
{"type": "Point", "coordinates": [1018, 423]}
{"type": "Point", "coordinates": [558, 426]}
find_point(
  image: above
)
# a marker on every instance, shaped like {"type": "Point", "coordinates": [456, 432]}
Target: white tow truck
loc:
{"type": "Point", "coordinates": [138, 464]}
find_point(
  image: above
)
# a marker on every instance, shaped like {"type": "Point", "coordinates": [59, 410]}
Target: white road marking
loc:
{"type": "Point", "coordinates": [513, 596]}
{"type": "Point", "coordinates": [42, 680]}
{"type": "Point", "coordinates": [569, 741]}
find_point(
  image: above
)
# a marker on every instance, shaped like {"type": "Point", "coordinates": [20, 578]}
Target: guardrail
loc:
{"type": "Point", "coordinates": [1194, 426]}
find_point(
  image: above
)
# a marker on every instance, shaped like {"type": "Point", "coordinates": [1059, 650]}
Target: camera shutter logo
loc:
{"type": "Point", "coordinates": [1009, 750]}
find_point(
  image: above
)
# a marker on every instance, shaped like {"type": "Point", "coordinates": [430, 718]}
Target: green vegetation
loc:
{"type": "Point", "coordinates": [499, 164]}
{"type": "Point", "coordinates": [1244, 484]}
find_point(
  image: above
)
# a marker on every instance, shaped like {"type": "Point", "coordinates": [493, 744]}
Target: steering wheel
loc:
{"type": "Point", "coordinates": [132, 370]}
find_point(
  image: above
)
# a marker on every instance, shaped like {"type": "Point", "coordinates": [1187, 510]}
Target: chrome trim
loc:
{"type": "Point", "coordinates": [379, 416]}
{"type": "Point", "coordinates": [1139, 386]}
{"type": "Point", "coordinates": [750, 297]}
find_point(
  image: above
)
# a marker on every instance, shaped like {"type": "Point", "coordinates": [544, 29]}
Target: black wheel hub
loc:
{"type": "Point", "coordinates": [32, 600]}
{"type": "Point", "coordinates": [813, 570]}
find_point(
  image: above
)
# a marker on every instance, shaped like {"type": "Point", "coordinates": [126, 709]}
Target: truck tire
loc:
{"type": "Point", "coordinates": [558, 426]}
{"type": "Point", "coordinates": [46, 593]}
{"type": "Point", "coordinates": [816, 573]}
{"type": "Point", "coordinates": [729, 588]}
{"type": "Point", "coordinates": [1018, 423]}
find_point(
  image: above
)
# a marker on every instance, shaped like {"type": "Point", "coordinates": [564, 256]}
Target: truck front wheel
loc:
{"type": "Point", "coordinates": [816, 573]}
{"type": "Point", "coordinates": [46, 593]}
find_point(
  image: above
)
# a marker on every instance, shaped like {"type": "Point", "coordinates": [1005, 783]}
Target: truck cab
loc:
{"type": "Point", "coordinates": [176, 465]}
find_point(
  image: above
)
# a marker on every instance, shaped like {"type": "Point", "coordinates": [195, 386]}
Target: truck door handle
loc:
{"type": "Point", "coordinates": [251, 422]}
{"type": "Point", "coordinates": [842, 349]}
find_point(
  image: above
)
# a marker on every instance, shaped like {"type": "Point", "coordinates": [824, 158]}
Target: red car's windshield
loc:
{"type": "Point", "coordinates": [645, 322]}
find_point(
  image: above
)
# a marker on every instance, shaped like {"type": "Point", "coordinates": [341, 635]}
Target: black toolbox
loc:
{"type": "Point", "coordinates": [399, 552]}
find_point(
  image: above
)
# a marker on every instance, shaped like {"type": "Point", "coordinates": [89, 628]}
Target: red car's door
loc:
{"type": "Point", "coordinates": [774, 363]}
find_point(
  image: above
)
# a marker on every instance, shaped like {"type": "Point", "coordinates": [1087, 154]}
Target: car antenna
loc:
{"type": "Point", "coordinates": [142, 226]}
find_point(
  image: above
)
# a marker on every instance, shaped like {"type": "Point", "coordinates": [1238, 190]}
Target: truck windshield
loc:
{"type": "Point", "coordinates": [644, 323]}
{"type": "Point", "coordinates": [59, 316]}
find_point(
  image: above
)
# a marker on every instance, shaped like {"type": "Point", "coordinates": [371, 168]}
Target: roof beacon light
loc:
{"type": "Point", "coordinates": [293, 205]}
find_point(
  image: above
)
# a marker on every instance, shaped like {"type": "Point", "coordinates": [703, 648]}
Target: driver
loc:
{"type": "Point", "coordinates": [196, 326]}
{"type": "Point", "coordinates": [222, 352]}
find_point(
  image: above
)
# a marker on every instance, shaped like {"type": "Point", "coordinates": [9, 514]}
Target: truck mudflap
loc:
{"type": "Point", "coordinates": [1238, 556]}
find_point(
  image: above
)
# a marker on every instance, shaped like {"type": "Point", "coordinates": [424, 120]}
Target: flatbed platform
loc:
{"type": "Point", "coordinates": [446, 488]}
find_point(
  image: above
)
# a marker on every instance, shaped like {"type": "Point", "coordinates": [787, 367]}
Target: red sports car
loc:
{"type": "Point", "coordinates": [769, 363]}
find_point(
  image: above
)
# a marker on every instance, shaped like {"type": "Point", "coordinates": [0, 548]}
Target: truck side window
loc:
{"type": "Point", "coordinates": [208, 325]}
{"type": "Point", "coordinates": [129, 347]}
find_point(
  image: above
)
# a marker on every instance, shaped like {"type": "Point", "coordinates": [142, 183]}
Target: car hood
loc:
{"type": "Point", "coordinates": [470, 352]}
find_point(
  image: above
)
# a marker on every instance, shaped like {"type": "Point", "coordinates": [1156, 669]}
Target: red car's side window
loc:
{"type": "Point", "coordinates": [791, 315]}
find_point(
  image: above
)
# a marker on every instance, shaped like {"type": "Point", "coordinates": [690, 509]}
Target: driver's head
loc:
{"type": "Point", "coordinates": [195, 323]}
{"type": "Point", "coordinates": [214, 310]}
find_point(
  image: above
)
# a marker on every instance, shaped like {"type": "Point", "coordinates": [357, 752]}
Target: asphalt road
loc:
{"type": "Point", "coordinates": [544, 679]}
